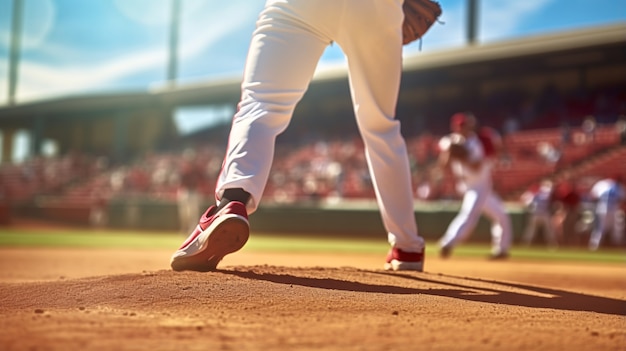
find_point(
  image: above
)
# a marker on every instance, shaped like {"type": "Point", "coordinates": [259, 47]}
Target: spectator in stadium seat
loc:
{"type": "Point", "coordinates": [589, 127]}
{"type": "Point", "coordinates": [566, 134]}
{"type": "Point", "coordinates": [510, 125]}
{"type": "Point", "coordinates": [620, 128]}
{"type": "Point", "coordinates": [548, 152]}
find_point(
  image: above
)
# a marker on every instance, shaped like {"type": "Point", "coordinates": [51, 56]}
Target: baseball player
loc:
{"type": "Point", "coordinates": [289, 39]}
{"type": "Point", "coordinates": [568, 201]}
{"type": "Point", "coordinates": [539, 203]}
{"type": "Point", "coordinates": [472, 168]}
{"type": "Point", "coordinates": [608, 193]}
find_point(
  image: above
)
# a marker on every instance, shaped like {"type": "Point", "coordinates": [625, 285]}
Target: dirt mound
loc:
{"type": "Point", "coordinates": [298, 308]}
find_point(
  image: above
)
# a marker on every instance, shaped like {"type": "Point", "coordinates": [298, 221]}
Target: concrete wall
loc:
{"type": "Point", "coordinates": [345, 220]}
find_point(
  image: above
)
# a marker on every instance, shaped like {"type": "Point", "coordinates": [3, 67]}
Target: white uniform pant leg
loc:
{"type": "Point", "coordinates": [601, 225]}
{"type": "Point", "coordinates": [550, 232]}
{"type": "Point", "coordinates": [375, 65]}
{"type": "Point", "coordinates": [607, 221]}
{"type": "Point", "coordinates": [501, 227]}
{"type": "Point", "coordinates": [467, 218]}
{"type": "Point", "coordinates": [619, 222]}
{"type": "Point", "coordinates": [531, 228]}
{"type": "Point", "coordinates": [281, 61]}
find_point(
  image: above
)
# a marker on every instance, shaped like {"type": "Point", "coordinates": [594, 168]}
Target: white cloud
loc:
{"type": "Point", "coordinates": [38, 80]}
{"type": "Point", "coordinates": [503, 17]}
{"type": "Point", "coordinates": [147, 12]}
{"type": "Point", "coordinates": [448, 32]}
{"type": "Point", "coordinates": [497, 19]}
{"type": "Point", "coordinates": [207, 26]}
{"type": "Point", "coordinates": [209, 22]}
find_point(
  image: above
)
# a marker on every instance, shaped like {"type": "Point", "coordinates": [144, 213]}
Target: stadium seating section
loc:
{"type": "Point", "coordinates": [541, 147]}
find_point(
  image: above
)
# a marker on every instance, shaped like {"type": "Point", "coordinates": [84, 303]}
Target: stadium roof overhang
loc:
{"type": "Point", "coordinates": [587, 42]}
{"type": "Point", "coordinates": [591, 47]}
{"type": "Point", "coordinates": [594, 46]}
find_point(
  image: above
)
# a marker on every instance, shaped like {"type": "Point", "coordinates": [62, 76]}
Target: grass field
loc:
{"type": "Point", "coordinates": [86, 238]}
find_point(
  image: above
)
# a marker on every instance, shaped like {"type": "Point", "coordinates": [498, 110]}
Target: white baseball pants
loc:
{"type": "Point", "coordinates": [478, 199]}
{"type": "Point", "coordinates": [607, 221]}
{"type": "Point", "coordinates": [290, 38]}
{"type": "Point", "coordinates": [544, 220]}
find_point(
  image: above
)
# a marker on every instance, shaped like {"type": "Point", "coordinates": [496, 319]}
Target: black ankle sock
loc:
{"type": "Point", "coordinates": [237, 194]}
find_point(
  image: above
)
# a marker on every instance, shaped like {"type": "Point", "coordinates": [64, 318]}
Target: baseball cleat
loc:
{"type": "Point", "coordinates": [501, 256]}
{"type": "Point", "coordinates": [218, 234]}
{"type": "Point", "coordinates": [399, 260]}
{"type": "Point", "coordinates": [445, 251]}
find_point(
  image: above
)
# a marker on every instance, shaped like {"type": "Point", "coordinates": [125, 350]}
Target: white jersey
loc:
{"type": "Point", "coordinates": [540, 202]}
{"type": "Point", "coordinates": [609, 194]}
{"type": "Point", "coordinates": [476, 153]}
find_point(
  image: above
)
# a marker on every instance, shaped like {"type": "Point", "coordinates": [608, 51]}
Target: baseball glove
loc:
{"type": "Point", "coordinates": [419, 16]}
{"type": "Point", "coordinates": [458, 151]}
{"type": "Point", "coordinates": [454, 144]}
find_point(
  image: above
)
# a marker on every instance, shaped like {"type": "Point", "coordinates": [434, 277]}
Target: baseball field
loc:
{"type": "Point", "coordinates": [70, 289]}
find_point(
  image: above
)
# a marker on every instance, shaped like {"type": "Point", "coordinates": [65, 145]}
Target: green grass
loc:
{"type": "Point", "coordinates": [87, 238]}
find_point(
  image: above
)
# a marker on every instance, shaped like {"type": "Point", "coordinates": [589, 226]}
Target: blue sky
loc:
{"type": "Point", "coordinates": [84, 47]}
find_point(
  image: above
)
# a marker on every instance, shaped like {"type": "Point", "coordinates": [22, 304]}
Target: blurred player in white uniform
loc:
{"type": "Point", "coordinates": [609, 194]}
{"type": "Point", "coordinates": [290, 38]}
{"type": "Point", "coordinates": [473, 172]}
{"type": "Point", "coordinates": [539, 203]}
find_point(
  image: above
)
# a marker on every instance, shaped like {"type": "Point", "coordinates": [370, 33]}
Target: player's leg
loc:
{"type": "Point", "coordinates": [598, 231]}
{"type": "Point", "coordinates": [531, 228]}
{"type": "Point", "coordinates": [612, 225]}
{"type": "Point", "coordinates": [375, 66]}
{"type": "Point", "coordinates": [619, 224]}
{"type": "Point", "coordinates": [569, 224]}
{"type": "Point", "coordinates": [550, 233]}
{"type": "Point", "coordinates": [282, 58]}
{"type": "Point", "coordinates": [501, 227]}
{"type": "Point", "coordinates": [465, 221]}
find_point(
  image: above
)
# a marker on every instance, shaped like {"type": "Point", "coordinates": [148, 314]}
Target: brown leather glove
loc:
{"type": "Point", "coordinates": [419, 16]}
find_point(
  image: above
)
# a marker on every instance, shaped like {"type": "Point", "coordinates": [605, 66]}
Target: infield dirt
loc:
{"type": "Point", "coordinates": [111, 299]}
